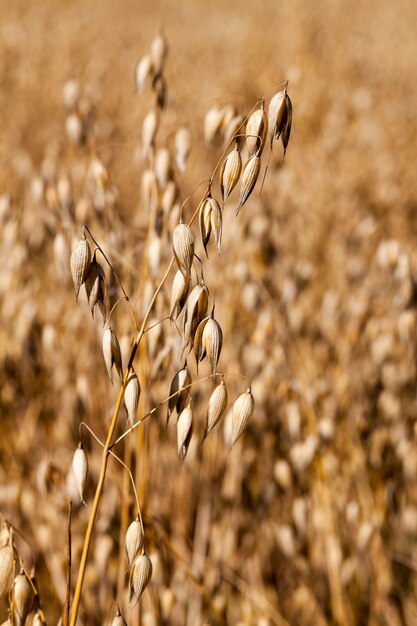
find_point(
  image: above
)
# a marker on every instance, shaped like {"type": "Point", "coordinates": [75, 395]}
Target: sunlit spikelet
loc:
{"type": "Point", "coordinates": [211, 343]}
{"type": "Point", "coordinates": [23, 596]}
{"type": "Point", "coordinates": [6, 568]}
{"type": "Point", "coordinates": [184, 430]}
{"type": "Point", "coordinates": [230, 172]}
{"type": "Point", "coordinates": [80, 263]}
{"type": "Point", "coordinates": [179, 391]}
{"type": "Point", "coordinates": [140, 575]}
{"type": "Point", "coordinates": [143, 72]}
{"type": "Point", "coordinates": [196, 310]}
{"type": "Point", "coordinates": [111, 353]}
{"type": "Point", "coordinates": [179, 293]}
{"type": "Point", "coordinates": [183, 142]}
{"type": "Point", "coordinates": [134, 540]}
{"type": "Point", "coordinates": [95, 287]}
{"type": "Point", "coordinates": [183, 246]}
{"type": "Point", "coordinates": [80, 469]}
{"type": "Point", "coordinates": [248, 180]}
{"type": "Point", "coordinates": [243, 408]}
{"type": "Point", "coordinates": [158, 53]}
{"type": "Point", "coordinates": [149, 130]}
{"type": "Point", "coordinates": [215, 408]}
{"type": "Point", "coordinates": [275, 115]}
{"type": "Point", "coordinates": [256, 131]}
{"type": "Point", "coordinates": [131, 397]}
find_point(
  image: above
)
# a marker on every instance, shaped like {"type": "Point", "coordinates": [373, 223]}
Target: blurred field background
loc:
{"type": "Point", "coordinates": [312, 518]}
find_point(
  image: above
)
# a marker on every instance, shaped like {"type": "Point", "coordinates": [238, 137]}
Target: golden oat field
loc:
{"type": "Point", "coordinates": [208, 398]}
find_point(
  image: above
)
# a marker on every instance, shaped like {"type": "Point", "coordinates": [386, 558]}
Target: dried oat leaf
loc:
{"type": "Point", "coordinates": [211, 343]}
{"type": "Point", "coordinates": [23, 597]}
{"type": "Point", "coordinates": [178, 395]}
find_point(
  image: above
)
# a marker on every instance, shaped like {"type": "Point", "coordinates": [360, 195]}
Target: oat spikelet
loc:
{"type": "Point", "coordinates": [142, 72]}
{"type": "Point", "coordinates": [140, 575]}
{"type": "Point", "coordinates": [183, 246]}
{"type": "Point", "coordinates": [204, 221]}
{"type": "Point", "coordinates": [184, 430]}
{"type": "Point", "coordinates": [230, 172]}
{"type": "Point", "coordinates": [80, 469]}
{"type": "Point", "coordinates": [216, 221]}
{"type": "Point", "coordinates": [111, 353]}
{"type": "Point", "coordinates": [183, 142]}
{"type": "Point", "coordinates": [248, 181]}
{"type": "Point", "coordinates": [134, 540]}
{"type": "Point", "coordinates": [118, 619]}
{"type": "Point", "coordinates": [179, 395]}
{"type": "Point", "coordinates": [243, 408]}
{"type": "Point", "coordinates": [215, 408]}
{"type": "Point", "coordinates": [95, 287]}
{"type": "Point", "coordinates": [275, 115]}
{"type": "Point", "coordinates": [256, 131]}
{"type": "Point", "coordinates": [132, 394]}
{"type": "Point", "coordinates": [149, 130]}
{"type": "Point", "coordinates": [212, 122]}
{"type": "Point", "coordinates": [6, 568]}
{"type": "Point", "coordinates": [158, 53]}
{"type": "Point", "coordinates": [23, 597]}
{"type": "Point", "coordinates": [179, 293]}
{"type": "Point", "coordinates": [211, 343]}
{"type": "Point", "coordinates": [80, 262]}
{"type": "Point", "coordinates": [197, 304]}
{"type": "Point", "coordinates": [287, 123]}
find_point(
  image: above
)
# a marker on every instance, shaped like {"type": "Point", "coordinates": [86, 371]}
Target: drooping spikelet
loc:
{"type": "Point", "coordinates": [140, 575]}
{"type": "Point", "coordinates": [230, 172]}
{"type": "Point", "coordinates": [132, 395]}
{"type": "Point", "coordinates": [183, 245]}
{"type": "Point", "coordinates": [179, 391]}
{"type": "Point", "coordinates": [80, 469]}
{"type": "Point", "coordinates": [111, 353]}
{"type": "Point", "coordinates": [179, 293]}
{"type": "Point", "coordinates": [23, 596]}
{"type": "Point", "coordinates": [215, 408]}
{"type": "Point", "coordinates": [184, 430]}
{"type": "Point", "coordinates": [134, 540]}
{"type": "Point", "coordinates": [80, 263]}
{"type": "Point", "coordinates": [256, 131]}
{"type": "Point", "coordinates": [243, 408]}
{"type": "Point", "coordinates": [248, 180]}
